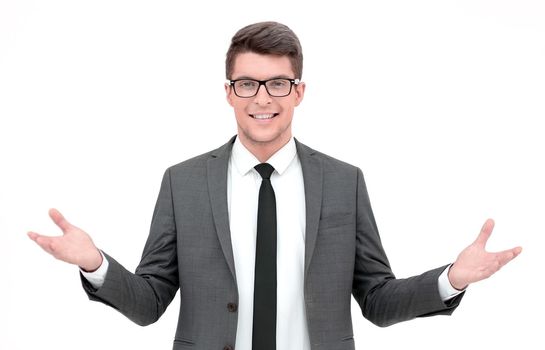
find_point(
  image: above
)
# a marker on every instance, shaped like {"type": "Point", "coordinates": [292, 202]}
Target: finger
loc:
{"type": "Point", "coordinates": [508, 255]}
{"type": "Point", "coordinates": [46, 243]}
{"type": "Point", "coordinates": [485, 233]}
{"type": "Point", "coordinates": [33, 235]}
{"type": "Point", "coordinates": [59, 220]}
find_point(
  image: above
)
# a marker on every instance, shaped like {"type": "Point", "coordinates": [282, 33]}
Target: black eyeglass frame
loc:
{"type": "Point", "coordinates": [264, 83]}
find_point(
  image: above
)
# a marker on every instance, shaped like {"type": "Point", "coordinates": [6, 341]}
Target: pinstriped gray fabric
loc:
{"type": "Point", "coordinates": [189, 247]}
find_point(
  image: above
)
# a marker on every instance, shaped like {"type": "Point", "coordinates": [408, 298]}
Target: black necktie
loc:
{"type": "Point", "coordinates": [264, 330]}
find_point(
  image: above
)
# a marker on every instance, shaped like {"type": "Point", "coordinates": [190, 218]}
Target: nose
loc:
{"type": "Point", "coordinates": [262, 97]}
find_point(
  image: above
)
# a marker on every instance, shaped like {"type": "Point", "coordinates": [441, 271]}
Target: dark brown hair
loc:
{"type": "Point", "coordinates": [266, 38]}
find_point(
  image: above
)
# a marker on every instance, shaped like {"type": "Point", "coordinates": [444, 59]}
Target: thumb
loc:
{"type": "Point", "coordinates": [485, 233]}
{"type": "Point", "coordinates": [59, 220]}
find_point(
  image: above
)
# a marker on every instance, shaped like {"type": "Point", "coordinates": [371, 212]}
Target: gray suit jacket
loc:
{"type": "Point", "coordinates": [189, 248]}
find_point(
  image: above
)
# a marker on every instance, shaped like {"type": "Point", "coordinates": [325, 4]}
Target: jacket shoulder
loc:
{"type": "Point", "coordinates": [200, 162]}
{"type": "Point", "coordinates": [195, 162]}
{"type": "Point", "coordinates": [329, 163]}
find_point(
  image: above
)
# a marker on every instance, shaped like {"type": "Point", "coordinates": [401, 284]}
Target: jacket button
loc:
{"type": "Point", "coordinates": [232, 307]}
{"type": "Point", "coordinates": [227, 347]}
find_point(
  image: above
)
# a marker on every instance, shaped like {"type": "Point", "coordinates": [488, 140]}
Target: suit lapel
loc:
{"type": "Point", "coordinates": [312, 177]}
{"type": "Point", "coordinates": [217, 189]}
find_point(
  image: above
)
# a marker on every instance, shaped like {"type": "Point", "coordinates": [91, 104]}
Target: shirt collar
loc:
{"type": "Point", "coordinates": [245, 161]}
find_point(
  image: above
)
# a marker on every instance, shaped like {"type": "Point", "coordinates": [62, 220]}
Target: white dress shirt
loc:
{"type": "Point", "coordinates": [243, 195]}
{"type": "Point", "coordinates": [243, 183]}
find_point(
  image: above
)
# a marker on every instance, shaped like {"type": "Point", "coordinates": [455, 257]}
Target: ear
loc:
{"type": "Point", "coordinates": [229, 94]}
{"type": "Point", "coordinates": [299, 93]}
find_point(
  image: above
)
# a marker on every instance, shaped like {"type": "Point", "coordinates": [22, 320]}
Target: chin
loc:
{"type": "Point", "coordinates": [263, 138]}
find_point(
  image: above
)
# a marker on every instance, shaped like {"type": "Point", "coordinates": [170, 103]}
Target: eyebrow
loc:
{"type": "Point", "coordinates": [282, 76]}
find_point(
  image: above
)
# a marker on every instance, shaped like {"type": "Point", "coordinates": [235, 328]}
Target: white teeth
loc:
{"type": "Point", "coordinates": [263, 116]}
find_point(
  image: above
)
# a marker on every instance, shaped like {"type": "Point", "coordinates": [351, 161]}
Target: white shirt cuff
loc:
{"type": "Point", "coordinates": [446, 290]}
{"type": "Point", "coordinates": [96, 278]}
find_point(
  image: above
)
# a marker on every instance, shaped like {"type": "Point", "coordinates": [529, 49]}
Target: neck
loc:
{"type": "Point", "coordinates": [263, 151]}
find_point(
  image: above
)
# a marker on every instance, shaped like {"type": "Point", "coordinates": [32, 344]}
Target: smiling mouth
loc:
{"type": "Point", "coordinates": [264, 116]}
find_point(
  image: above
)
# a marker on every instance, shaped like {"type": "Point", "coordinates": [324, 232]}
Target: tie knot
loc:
{"type": "Point", "coordinates": [265, 170]}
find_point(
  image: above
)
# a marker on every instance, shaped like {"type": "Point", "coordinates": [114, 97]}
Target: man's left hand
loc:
{"type": "Point", "coordinates": [474, 263]}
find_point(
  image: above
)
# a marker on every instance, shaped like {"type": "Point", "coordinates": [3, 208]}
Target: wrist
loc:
{"type": "Point", "coordinates": [455, 282]}
{"type": "Point", "coordinates": [94, 263]}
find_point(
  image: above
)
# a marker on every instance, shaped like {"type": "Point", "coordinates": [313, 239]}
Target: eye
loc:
{"type": "Point", "coordinates": [278, 83]}
{"type": "Point", "coordinates": [246, 84]}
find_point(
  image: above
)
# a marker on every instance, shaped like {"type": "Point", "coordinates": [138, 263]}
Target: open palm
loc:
{"type": "Point", "coordinates": [474, 263]}
{"type": "Point", "coordinates": [75, 246]}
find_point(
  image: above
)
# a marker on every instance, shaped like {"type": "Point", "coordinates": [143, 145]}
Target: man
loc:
{"type": "Point", "coordinates": [266, 238]}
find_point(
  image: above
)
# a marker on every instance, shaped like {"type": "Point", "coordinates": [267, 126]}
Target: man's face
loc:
{"type": "Point", "coordinates": [264, 120]}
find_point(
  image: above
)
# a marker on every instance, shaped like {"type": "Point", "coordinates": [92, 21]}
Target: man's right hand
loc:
{"type": "Point", "coordinates": [74, 246]}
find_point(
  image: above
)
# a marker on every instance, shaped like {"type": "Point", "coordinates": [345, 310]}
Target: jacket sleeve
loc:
{"type": "Point", "coordinates": [143, 296]}
{"type": "Point", "coordinates": [383, 299]}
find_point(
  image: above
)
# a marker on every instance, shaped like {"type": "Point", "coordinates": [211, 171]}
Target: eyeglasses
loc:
{"type": "Point", "coordinates": [276, 87]}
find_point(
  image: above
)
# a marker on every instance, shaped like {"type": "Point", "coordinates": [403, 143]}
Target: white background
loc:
{"type": "Point", "coordinates": [440, 103]}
